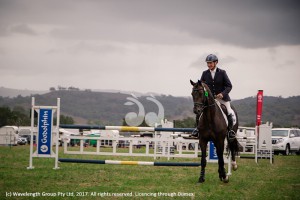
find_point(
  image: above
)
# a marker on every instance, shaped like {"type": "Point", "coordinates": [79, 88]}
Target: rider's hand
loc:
{"type": "Point", "coordinates": [220, 96]}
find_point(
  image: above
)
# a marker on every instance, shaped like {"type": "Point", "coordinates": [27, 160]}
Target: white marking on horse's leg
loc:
{"type": "Point", "coordinates": [234, 165]}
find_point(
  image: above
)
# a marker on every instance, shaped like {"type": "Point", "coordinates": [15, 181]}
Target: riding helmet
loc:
{"type": "Point", "coordinates": [211, 58]}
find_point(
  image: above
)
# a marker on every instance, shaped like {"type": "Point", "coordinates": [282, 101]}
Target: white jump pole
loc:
{"type": "Point", "coordinates": [57, 133]}
{"type": "Point", "coordinates": [31, 133]}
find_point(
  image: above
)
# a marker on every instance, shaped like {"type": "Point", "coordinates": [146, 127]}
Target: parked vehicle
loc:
{"type": "Point", "coordinates": [22, 140]}
{"type": "Point", "coordinates": [285, 140]}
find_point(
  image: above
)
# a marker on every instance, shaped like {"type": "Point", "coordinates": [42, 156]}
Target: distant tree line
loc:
{"type": "Point", "coordinates": [106, 108]}
{"type": "Point", "coordinates": [188, 122]}
{"type": "Point", "coordinates": [71, 88]}
{"type": "Point", "coordinates": [18, 116]}
{"type": "Point", "coordinates": [143, 124]}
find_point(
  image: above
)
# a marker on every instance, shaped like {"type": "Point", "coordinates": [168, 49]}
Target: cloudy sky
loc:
{"type": "Point", "coordinates": [150, 45]}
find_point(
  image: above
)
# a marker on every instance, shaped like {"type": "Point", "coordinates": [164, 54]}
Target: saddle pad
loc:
{"type": "Point", "coordinates": [225, 117]}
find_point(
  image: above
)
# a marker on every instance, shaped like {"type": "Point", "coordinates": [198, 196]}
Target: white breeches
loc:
{"type": "Point", "coordinates": [229, 110]}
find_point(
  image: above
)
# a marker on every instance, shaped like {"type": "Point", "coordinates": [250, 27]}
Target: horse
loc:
{"type": "Point", "coordinates": [212, 127]}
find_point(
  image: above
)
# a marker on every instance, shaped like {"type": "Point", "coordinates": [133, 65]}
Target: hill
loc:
{"type": "Point", "coordinates": [108, 108]}
{"type": "Point", "coordinates": [102, 107]}
{"type": "Point", "coordinates": [8, 92]}
{"type": "Point", "coordinates": [283, 112]}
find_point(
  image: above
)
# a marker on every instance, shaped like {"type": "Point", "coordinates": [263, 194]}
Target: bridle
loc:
{"type": "Point", "coordinates": [204, 104]}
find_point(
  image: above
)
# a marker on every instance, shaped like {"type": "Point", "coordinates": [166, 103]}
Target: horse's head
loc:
{"type": "Point", "coordinates": [200, 95]}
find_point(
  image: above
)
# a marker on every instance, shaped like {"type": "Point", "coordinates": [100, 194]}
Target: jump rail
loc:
{"type": "Point", "coordinates": [117, 162]}
{"type": "Point", "coordinates": [126, 128]}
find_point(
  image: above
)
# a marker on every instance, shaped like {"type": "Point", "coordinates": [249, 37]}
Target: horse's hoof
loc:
{"type": "Point", "coordinates": [201, 180]}
{"type": "Point", "coordinates": [234, 167]}
{"type": "Point", "coordinates": [226, 179]}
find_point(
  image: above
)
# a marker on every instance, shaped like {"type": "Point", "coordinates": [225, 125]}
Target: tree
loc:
{"type": "Point", "coordinates": [17, 116]}
{"type": "Point", "coordinates": [189, 122]}
{"type": "Point", "coordinates": [52, 89]}
{"type": "Point", "coordinates": [143, 124]}
{"type": "Point", "coordinates": [20, 116]}
{"type": "Point", "coordinates": [64, 120]}
{"type": "Point", "coordinates": [5, 115]}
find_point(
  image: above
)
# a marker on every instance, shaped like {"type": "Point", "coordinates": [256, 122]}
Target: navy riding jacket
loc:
{"type": "Point", "coordinates": [220, 83]}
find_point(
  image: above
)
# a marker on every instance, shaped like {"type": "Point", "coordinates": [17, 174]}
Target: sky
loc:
{"type": "Point", "coordinates": [150, 45]}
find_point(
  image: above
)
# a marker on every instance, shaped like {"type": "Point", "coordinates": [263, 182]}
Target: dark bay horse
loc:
{"type": "Point", "coordinates": [212, 127]}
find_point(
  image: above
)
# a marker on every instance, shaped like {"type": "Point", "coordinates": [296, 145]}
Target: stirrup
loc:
{"type": "Point", "coordinates": [195, 133]}
{"type": "Point", "coordinates": [231, 135]}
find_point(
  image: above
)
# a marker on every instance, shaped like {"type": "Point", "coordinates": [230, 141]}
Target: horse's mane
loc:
{"type": "Point", "coordinates": [210, 95]}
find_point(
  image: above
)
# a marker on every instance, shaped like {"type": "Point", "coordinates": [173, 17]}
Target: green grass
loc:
{"type": "Point", "coordinates": [251, 181]}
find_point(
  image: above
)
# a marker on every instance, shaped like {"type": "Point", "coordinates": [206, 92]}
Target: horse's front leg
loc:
{"type": "Point", "coordinates": [222, 172]}
{"type": "Point", "coordinates": [203, 145]}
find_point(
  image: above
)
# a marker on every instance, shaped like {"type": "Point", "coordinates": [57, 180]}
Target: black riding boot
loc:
{"type": "Point", "coordinates": [195, 133]}
{"type": "Point", "coordinates": [231, 133]}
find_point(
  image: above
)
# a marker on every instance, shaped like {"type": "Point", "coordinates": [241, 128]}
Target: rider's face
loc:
{"type": "Point", "coordinates": [211, 65]}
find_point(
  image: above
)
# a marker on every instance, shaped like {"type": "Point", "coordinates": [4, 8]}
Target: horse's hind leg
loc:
{"type": "Point", "coordinates": [233, 146]}
{"type": "Point", "coordinates": [203, 145]}
{"type": "Point", "coordinates": [233, 161]}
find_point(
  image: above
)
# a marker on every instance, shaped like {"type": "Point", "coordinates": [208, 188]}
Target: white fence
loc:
{"type": "Point", "coordinates": [162, 147]}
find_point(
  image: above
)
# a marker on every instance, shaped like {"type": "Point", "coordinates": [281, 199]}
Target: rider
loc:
{"type": "Point", "coordinates": [220, 85]}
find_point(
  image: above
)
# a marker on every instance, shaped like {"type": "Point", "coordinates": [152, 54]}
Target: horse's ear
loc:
{"type": "Point", "coordinates": [192, 83]}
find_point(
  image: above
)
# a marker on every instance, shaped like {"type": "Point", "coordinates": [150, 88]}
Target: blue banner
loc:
{"type": "Point", "coordinates": [45, 132]}
{"type": "Point", "coordinates": [212, 151]}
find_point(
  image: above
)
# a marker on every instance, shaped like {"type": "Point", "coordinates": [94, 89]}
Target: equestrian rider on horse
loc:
{"type": "Point", "coordinates": [220, 86]}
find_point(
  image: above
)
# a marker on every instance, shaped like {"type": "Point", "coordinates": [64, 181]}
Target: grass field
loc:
{"type": "Point", "coordinates": [81, 181]}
